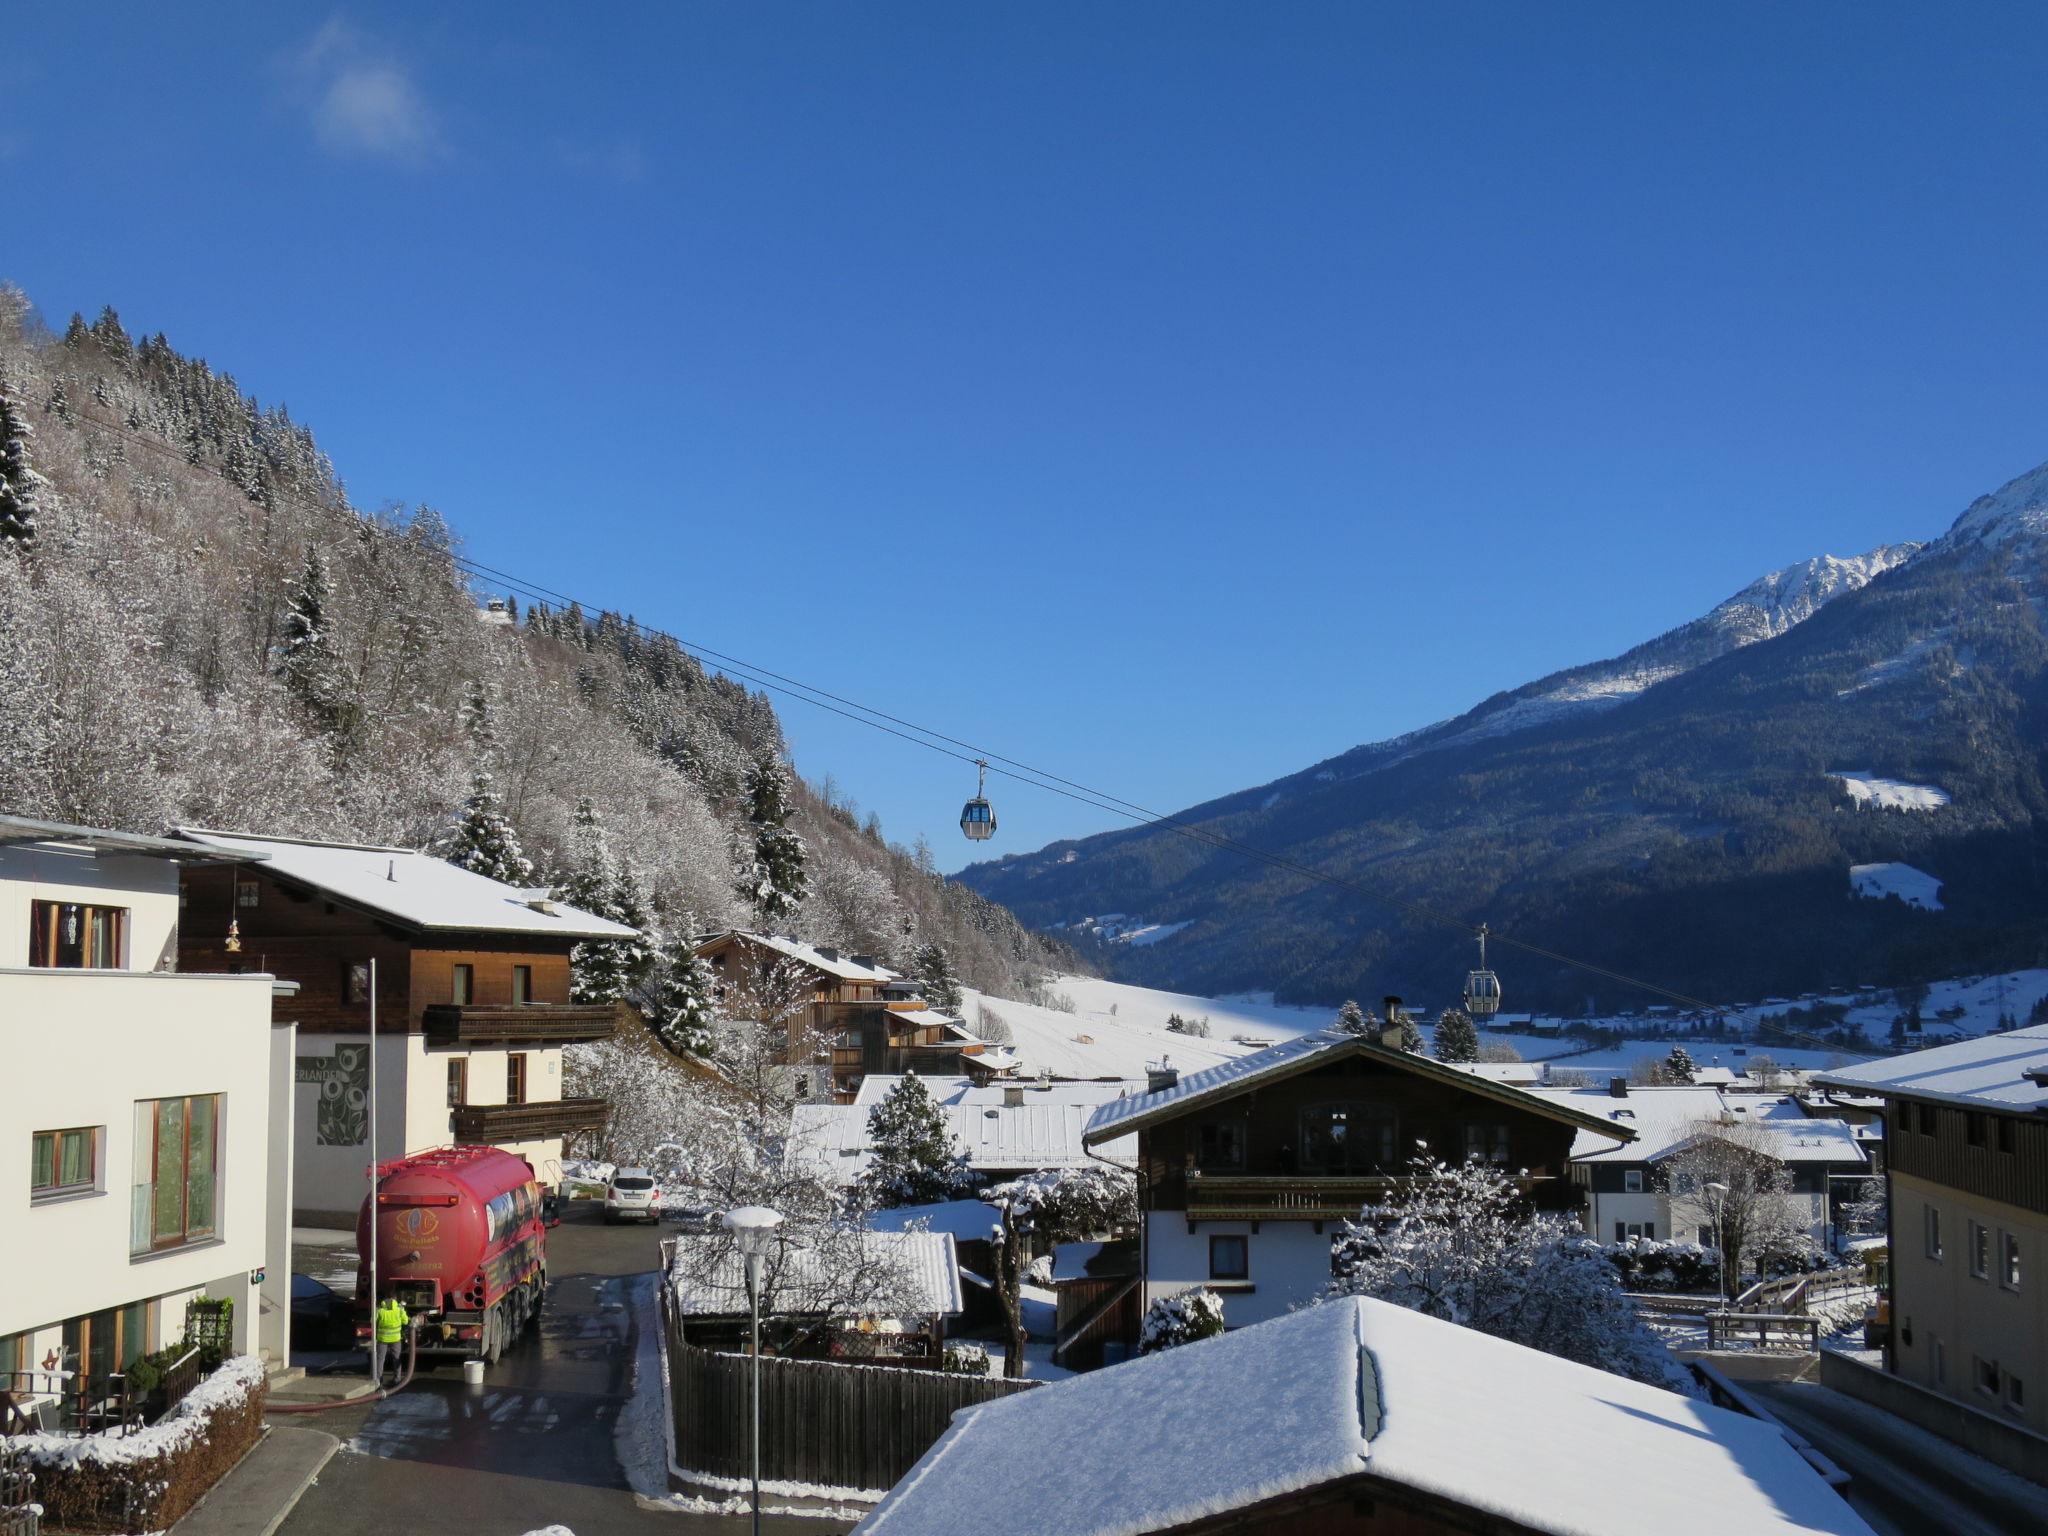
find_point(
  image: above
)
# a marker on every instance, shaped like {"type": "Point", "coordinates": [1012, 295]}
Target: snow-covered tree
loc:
{"type": "Point", "coordinates": [1181, 1319]}
{"type": "Point", "coordinates": [1678, 1066]}
{"type": "Point", "coordinates": [1054, 1205]}
{"type": "Point", "coordinates": [21, 488]}
{"type": "Point", "coordinates": [1728, 1182]}
{"type": "Point", "coordinates": [483, 840]}
{"type": "Point", "coordinates": [306, 656]}
{"type": "Point", "coordinates": [1460, 1243]}
{"type": "Point", "coordinates": [1351, 1020]}
{"type": "Point", "coordinates": [931, 965]}
{"type": "Point", "coordinates": [774, 882]}
{"type": "Point", "coordinates": [1411, 1034]}
{"type": "Point", "coordinates": [915, 1157]}
{"type": "Point", "coordinates": [1868, 1213]}
{"type": "Point", "coordinates": [605, 970]}
{"type": "Point", "coordinates": [685, 1013]}
{"type": "Point", "coordinates": [1456, 1039]}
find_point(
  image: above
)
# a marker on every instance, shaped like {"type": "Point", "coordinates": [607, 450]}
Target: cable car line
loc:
{"type": "Point", "coordinates": [1043, 779]}
{"type": "Point", "coordinates": [1101, 800]}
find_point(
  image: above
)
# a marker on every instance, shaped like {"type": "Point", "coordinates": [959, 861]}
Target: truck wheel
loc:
{"type": "Point", "coordinates": [494, 1334]}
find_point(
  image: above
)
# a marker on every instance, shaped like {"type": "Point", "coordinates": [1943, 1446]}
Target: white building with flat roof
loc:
{"type": "Point", "coordinates": [145, 1114]}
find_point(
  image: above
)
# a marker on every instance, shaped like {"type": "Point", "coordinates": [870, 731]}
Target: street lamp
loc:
{"type": "Point", "coordinates": [1718, 1193]}
{"type": "Point", "coordinates": [753, 1231]}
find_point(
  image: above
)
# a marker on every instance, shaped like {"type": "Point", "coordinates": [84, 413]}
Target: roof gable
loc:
{"type": "Point", "coordinates": [1308, 1053]}
{"type": "Point", "coordinates": [1989, 1072]}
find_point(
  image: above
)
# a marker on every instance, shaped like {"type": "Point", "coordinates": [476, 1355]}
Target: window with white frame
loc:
{"type": "Point", "coordinates": [1933, 1232]}
{"type": "Point", "coordinates": [2009, 1260]}
{"type": "Point", "coordinates": [1632, 1180]}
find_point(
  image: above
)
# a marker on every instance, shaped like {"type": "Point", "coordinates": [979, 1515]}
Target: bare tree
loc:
{"type": "Point", "coordinates": [1729, 1182]}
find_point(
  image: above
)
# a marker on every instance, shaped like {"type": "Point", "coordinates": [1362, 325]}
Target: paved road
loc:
{"type": "Point", "coordinates": [534, 1445]}
{"type": "Point", "coordinates": [1906, 1482]}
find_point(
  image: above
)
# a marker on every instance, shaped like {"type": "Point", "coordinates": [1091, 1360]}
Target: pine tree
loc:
{"type": "Point", "coordinates": [934, 967]}
{"type": "Point", "coordinates": [915, 1161]}
{"type": "Point", "coordinates": [605, 970]}
{"type": "Point", "coordinates": [483, 840]}
{"type": "Point", "coordinates": [1456, 1039]}
{"type": "Point", "coordinates": [686, 1007]}
{"type": "Point", "coordinates": [21, 487]}
{"type": "Point", "coordinates": [1411, 1035]}
{"type": "Point", "coordinates": [306, 657]}
{"type": "Point", "coordinates": [1678, 1066]}
{"type": "Point", "coordinates": [59, 404]}
{"type": "Point", "coordinates": [1351, 1020]}
{"type": "Point", "coordinates": [774, 884]}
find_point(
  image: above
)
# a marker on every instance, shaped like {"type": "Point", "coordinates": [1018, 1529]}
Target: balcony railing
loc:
{"type": "Point", "coordinates": [1235, 1197]}
{"type": "Point", "coordinates": [519, 1023]}
{"type": "Point", "coordinates": [528, 1122]}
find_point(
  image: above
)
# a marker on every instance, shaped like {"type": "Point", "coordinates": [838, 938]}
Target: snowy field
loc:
{"type": "Point", "coordinates": [1915, 887]}
{"type": "Point", "coordinates": [1866, 788]}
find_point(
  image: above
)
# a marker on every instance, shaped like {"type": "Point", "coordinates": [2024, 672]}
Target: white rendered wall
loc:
{"type": "Point", "coordinates": [1288, 1263]}
{"type": "Point", "coordinates": [80, 1048]}
{"type": "Point", "coordinates": [147, 887]}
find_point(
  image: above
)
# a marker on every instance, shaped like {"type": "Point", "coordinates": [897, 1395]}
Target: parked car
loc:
{"type": "Point", "coordinates": [322, 1318]}
{"type": "Point", "coordinates": [632, 1195]}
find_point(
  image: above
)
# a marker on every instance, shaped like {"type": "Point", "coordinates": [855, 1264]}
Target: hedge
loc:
{"type": "Point", "coordinates": [148, 1480]}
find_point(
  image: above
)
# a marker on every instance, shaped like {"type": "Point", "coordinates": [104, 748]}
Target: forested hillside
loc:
{"type": "Point", "coordinates": [1685, 813]}
{"type": "Point", "coordinates": [198, 626]}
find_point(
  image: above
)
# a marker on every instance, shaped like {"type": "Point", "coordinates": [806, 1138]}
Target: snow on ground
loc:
{"type": "Point", "coordinates": [1915, 887]}
{"type": "Point", "coordinates": [1865, 788]}
{"type": "Point", "coordinates": [1253, 1013]}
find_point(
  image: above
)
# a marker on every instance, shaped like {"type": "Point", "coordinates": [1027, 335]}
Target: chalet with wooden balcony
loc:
{"type": "Point", "coordinates": [1245, 1169]}
{"type": "Point", "coordinates": [849, 1015]}
{"type": "Point", "coordinates": [472, 1007]}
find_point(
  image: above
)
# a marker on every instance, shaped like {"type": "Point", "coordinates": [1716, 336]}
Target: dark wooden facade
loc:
{"type": "Point", "coordinates": [1266, 1153]}
{"type": "Point", "coordinates": [298, 933]}
{"type": "Point", "coordinates": [1982, 1152]}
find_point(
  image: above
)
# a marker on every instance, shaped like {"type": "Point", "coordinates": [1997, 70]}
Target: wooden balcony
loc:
{"type": "Point", "coordinates": [518, 1023]}
{"type": "Point", "coordinates": [499, 1123]}
{"type": "Point", "coordinates": [1236, 1197]}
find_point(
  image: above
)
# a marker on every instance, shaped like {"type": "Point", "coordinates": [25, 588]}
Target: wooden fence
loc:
{"type": "Point", "coordinates": [837, 1426]}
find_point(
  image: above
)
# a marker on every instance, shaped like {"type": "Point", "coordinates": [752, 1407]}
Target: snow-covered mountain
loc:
{"type": "Point", "coordinates": [1767, 607]}
{"type": "Point", "coordinates": [1689, 810]}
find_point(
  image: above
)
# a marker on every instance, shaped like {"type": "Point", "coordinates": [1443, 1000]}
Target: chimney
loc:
{"type": "Point", "coordinates": [1162, 1076]}
{"type": "Point", "coordinates": [1013, 1096]}
{"type": "Point", "coordinates": [1390, 1023]}
{"type": "Point", "coordinates": [1617, 1087]}
{"type": "Point", "coordinates": [829, 954]}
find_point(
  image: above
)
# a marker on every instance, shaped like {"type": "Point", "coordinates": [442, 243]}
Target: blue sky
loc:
{"type": "Point", "coordinates": [1171, 394]}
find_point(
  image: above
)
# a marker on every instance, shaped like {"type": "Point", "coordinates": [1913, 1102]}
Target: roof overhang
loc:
{"type": "Point", "coordinates": [22, 831]}
{"type": "Point", "coordinates": [1339, 1050]}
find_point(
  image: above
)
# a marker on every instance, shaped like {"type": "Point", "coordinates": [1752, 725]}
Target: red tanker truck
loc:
{"type": "Point", "coordinates": [460, 1242]}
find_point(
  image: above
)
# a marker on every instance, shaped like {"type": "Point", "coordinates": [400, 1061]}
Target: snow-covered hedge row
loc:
{"type": "Point", "coordinates": [148, 1480]}
{"type": "Point", "coordinates": [1646, 1263]}
{"type": "Point", "coordinates": [1182, 1319]}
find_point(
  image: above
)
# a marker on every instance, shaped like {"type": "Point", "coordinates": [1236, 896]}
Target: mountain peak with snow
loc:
{"type": "Point", "coordinates": [2017, 509]}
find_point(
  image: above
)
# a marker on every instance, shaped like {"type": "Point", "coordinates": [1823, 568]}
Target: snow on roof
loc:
{"type": "Point", "coordinates": [412, 887]}
{"type": "Point", "coordinates": [1358, 1387]}
{"type": "Point", "coordinates": [966, 1220]}
{"type": "Point", "coordinates": [22, 831]}
{"type": "Point", "coordinates": [1299, 1054]}
{"type": "Point", "coordinates": [833, 962]}
{"type": "Point", "coordinates": [709, 1278]}
{"type": "Point", "coordinates": [950, 1089]}
{"type": "Point", "coordinates": [1667, 1118]}
{"type": "Point", "coordinates": [834, 1138]}
{"type": "Point", "coordinates": [1988, 1072]}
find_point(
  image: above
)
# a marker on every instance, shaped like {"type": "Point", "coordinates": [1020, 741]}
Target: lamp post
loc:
{"type": "Point", "coordinates": [1718, 1192]}
{"type": "Point", "coordinates": [753, 1230]}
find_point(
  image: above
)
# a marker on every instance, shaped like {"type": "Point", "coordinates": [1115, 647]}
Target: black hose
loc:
{"type": "Point", "coordinates": [412, 1356]}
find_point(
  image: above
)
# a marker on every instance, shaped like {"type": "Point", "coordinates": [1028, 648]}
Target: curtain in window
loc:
{"type": "Point", "coordinates": [199, 1164]}
{"type": "Point", "coordinates": [43, 1168]}
{"type": "Point", "coordinates": [142, 1179]}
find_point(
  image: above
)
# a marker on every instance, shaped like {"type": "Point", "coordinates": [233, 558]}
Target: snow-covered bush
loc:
{"type": "Point", "coordinates": [1174, 1320]}
{"type": "Point", "coordinates": [1461, 1243]}
{"type": "Point", "coordinates": [1650, 1264]}
{"type": "Point", "coordinates": [966, 1359]}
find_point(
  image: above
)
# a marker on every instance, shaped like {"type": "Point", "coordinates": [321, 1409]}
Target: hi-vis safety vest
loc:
{"type": "Point", "coordinates": [391, 1320]}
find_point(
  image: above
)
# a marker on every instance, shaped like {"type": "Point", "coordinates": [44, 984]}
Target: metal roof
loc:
{"type": "Point", "coordinates": [411, 887]}
{"type": "Point", "coordinates": [709, 1278]}
{"type": "Point", "coordinates": [1122, 1116]}
{"type": "Point", "coordinates": [833, 1138]}
{"type": "Point", "coordinates": [20, 831]}
{"type": "Point", "coordinates": [1989, 1072]}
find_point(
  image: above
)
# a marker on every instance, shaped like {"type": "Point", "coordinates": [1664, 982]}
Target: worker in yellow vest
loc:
{"type": "Point", "coordinates": [388, 1328]}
